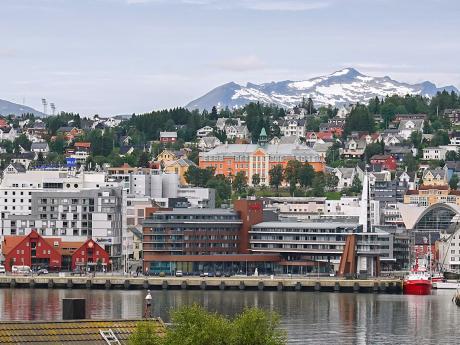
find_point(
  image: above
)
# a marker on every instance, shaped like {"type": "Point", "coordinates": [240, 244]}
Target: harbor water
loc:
{"type": "Point", "coordinates": [308, 317]}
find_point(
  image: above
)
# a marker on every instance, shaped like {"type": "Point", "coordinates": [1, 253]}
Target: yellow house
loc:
{"type": "Point", "coordinates": [167, 156]}
{"type": "Point", "coordinates": [430, 195]}
{"type": "Point", "coordinates": [180, 167]}
{"type": "Point", "coordinates": [435, 177]}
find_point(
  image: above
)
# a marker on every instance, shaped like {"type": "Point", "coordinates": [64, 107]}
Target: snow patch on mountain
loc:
{"type": "Point", "coordinates": [341, 87]}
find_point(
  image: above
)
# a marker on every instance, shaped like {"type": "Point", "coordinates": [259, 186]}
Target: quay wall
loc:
{"type": "Point", "coordinates": [376, 285]}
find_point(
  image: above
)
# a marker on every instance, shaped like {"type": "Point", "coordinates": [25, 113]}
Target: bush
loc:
{"type": "Point", "coordinates": [193, 325]}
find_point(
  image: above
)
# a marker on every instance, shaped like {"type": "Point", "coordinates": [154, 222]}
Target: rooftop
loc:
{"type": "Point", "coordinates": [68, 332]}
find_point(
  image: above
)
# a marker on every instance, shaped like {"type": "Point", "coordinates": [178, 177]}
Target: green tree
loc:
{"type": "Point", "coordinates": [255, 179]}
{"type": "Point", "coordinates": [333, 153]}
{"type": "Point", "coordinates": [143, 160]}
{"type": "Point", "coordinates": [257, 327]}
{"type": "Point", "coordinates": [292, 174]}
{"type": "Point", "coordinates": [331, 182]}
{"type": "Point", "coordinates": [440, 138]}
{"type": "Point", "coordinates": [306, 175]}
{"type": "Point", "coordinates": [373, 149]}
{"type": "Point", "coordinates": [452, 156]}
{"type": "Point", "coordinates": [410, 163]}
{"type": "Point", "coordinates": [22, 141]}
{"type": "Point", "coordinates": [194, 325]}
{"type": "Point", "coordinates": [319, 184]}
{"type": "Point", "coordinates": [199, 177]}
{"type": "Point", "coordinates": [58, 145]}
{"type": "Point", "coordinates": [453, 183]}
{"type": "Point", "coordinates": [356, 185]}
{"type": "Point", "coordinates": [276, 176]}
{"type": "Point", "coordinates": [146, 333]}
{"type": "Point", "coordinates": [360, 119]}
{"type": "Point", "coordinates": [40, 159]}
{"type": "Point", "coordinates": [223, 188]}
{"type": "Point", "coordinates": [240, 182]}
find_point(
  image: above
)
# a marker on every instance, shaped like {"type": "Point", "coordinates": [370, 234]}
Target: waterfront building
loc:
{"type": "Point", "coordinates": [251, 159]}
{"type": "Point", "coordinates": [203, 240]}
{"type": "Point", "coordinates": [73, 206]}
{"type": "Point", "coordinates": [37, 251]}
{"type": "Point", "coordinates": [306, 247]}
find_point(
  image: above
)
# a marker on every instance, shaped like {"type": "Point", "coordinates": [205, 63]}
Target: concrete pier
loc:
{"type": "Point", "coordinates": [376, 285]}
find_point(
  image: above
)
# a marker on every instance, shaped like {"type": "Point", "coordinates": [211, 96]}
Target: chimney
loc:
{"type": "Point", "coordinates": [73, 308]}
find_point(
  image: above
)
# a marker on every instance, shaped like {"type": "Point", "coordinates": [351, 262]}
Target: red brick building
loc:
{"type": "Point", "coordinates": [90, 254]}
{"type": "Point", "coordinates": [387, 162]}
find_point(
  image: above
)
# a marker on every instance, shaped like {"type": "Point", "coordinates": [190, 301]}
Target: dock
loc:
{"type": "Point", "coordinates": [376, 285]}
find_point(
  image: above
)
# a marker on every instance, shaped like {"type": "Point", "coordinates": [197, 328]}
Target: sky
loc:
{"type": "Point", "coordinates": [111, 57]}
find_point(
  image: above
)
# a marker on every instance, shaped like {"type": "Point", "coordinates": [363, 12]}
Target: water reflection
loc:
{"type": "Point", "coordinates": [319, 318]}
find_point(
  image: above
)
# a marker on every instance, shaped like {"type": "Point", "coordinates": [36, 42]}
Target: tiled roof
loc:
{"type": "Point", "coordinates": [68, 332]}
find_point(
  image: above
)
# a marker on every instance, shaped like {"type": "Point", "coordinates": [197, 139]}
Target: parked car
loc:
{"type": "Point", "coordinates": [42, 271]}
{"type": "Point", "coordinates": [227, 274]}
{"type": "Point", "coordinates": [24, 270]}
{"type": "Point", "coordinates": [218, 274]}
{"type": "Point", "coordinates": [179, 273]}
{"type": "Point", "coordinates": [2, 269]}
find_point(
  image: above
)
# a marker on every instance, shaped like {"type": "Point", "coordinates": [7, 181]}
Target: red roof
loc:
{"type": "Point", "coordinates": [11, 242]}
{"type": "Point", "coordinates": [83, 144]}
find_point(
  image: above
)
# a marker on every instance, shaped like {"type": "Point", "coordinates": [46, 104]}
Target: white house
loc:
{"type": "Point", "coordinates": [204, 131]}
{"type": "Point", "coordinates": [434, 153]}
{"type": "Point", "coordinates": [293, 127]}
{"type": "Point", "coordinates": [237, 132]}
{"type": "Point", "coordinates": [345, 176]}
{"type": "Point", "coordinates": [343, 112]}
{"type": "Point", "coordinates": [38, 147]}
{"type": "Point", "coordinates": [208, 143]}
{"type": "Point", "coordinates": [8, 134]}
{"type": "Point", "coordinates": [407, 127]}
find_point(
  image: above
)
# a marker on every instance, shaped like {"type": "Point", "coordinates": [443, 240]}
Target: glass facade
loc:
{"type": "Point", "coordinates": [439, 218]}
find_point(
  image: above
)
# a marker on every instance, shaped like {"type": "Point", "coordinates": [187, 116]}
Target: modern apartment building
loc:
{"type": "Point", "coordinates": [307, 247]}
{"type": "Point", "coordinates": [203, 240]}
{"type": "Point", "coordinates": [73, 206]}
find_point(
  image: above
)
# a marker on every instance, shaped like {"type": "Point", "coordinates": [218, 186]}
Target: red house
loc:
{"type": "Point", "coordinates": [387, 162]}
{"type": "Point", "coordinates": [168, 137]}
{"type": "Point", "coordinates": [89, 254]}
{"type": "Point", "coordinates": [32, 250]}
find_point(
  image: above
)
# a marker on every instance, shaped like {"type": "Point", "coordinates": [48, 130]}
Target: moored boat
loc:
{"type": "Point", "coordinates": [417, 283]}
{"type": "Point", "coordinates": [437, 277]}
{"type": "Point", "coordinates": [450, 275]}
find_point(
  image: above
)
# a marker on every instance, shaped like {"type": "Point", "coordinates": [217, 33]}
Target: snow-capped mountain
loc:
{"type": "Point", "coordinates": [342, 87]}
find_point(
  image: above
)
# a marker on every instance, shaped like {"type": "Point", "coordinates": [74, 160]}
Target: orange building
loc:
{"type": "Point", "coordinates": [229, 159]}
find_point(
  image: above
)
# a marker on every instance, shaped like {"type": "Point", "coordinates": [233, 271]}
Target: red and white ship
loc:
{"type": "Point", "coordinates": [418, 282]}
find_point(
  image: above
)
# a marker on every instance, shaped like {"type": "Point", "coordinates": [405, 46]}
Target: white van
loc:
{"type": "Point", "coordinates": [21, 270]}
{"type": "Point", "coordinates": [2, 269]}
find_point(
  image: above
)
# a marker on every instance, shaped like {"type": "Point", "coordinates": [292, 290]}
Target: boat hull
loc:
{"type": "Point", "coordinates": [451, 275]}
{"type": "Point", "coordinates": [417, 287]}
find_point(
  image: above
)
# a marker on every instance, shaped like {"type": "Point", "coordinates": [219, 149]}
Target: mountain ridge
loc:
{"type": "Point", "coordinates": [10, 108]}
{"type": "Point", "coordinates": [344, 86]}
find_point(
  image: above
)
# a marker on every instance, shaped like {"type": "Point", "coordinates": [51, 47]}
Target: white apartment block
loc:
{"type": "Point", "coordinates": [73, 206]}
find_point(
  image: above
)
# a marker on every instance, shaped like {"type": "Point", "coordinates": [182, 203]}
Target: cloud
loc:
{"type": "Point", "coordinates": [7, 53]}
{"type": "Point", "coordinates": [256, 5]}
{"type": "Point", "coordinates": [241, 64]}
